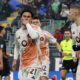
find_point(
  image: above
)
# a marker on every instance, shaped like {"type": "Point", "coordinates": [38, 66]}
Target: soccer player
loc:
{"type": "Point", "coordinates": [74, 16]}
{"type": "Point", "coordinates": [45, 39]}
{"type": "Point", "coordinates": [67, 52]}
{"type": "Point", "coordinates": [26, 45]}
{"type": "Point", "coordinates": [4, 64]}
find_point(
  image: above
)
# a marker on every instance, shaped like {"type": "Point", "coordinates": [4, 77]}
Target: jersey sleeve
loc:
{"type": "Point", "coordinates": [34, 34]}
{"type": "Point", "coordinates": [50, 38]}
{"type": "Point", "coordinates": [16, 48]}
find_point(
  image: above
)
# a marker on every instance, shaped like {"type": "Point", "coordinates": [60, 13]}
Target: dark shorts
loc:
{"type": "Point", "coordinates": [69, 64]}
{"type": "Point", "coordinates": [6, 68]}
{"type": "Point", "coordinates": [76, 48]}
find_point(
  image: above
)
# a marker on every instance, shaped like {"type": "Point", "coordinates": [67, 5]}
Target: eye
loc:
{"type": "Point", "coordinates": [26, 16]}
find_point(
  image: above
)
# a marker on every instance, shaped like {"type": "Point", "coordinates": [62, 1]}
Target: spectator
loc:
{"type": "Point", "coordinates": [55, 7]}
{"type": "Point", "coordinates": [58, 35]}
{"type": "Point", "coordinates": [6, 10]}
{"type": "Point", "coordinates": [42, 10]}
{"type": "Point", "coordinates": [64, 11]}
{"type": "Point", "coordinates": [55, 10]}
{"type": "Point", "coordinates": [14, 6]}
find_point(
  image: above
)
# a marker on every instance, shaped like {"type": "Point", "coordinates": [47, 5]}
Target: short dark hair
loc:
{"type": "Point", "coordinates": [26, 10]}
{"type": "Point", "coordinates": [35, 17]}
{"type": "Point", "coordinates": [67, 30]}
{"type": "Point", "coordinates": [1, 28]}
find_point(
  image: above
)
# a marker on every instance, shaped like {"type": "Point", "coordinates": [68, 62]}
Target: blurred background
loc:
{"type": "Point", "coordinates": [53, 19]}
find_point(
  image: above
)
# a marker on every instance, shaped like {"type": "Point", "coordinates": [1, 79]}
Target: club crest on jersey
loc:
{"type": "Point", "coordinates": [41, 39]}
{"type": "Point", "coordinates": [24, 43]}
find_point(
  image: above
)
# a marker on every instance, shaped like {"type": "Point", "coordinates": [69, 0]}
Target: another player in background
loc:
{"type": "Point", "coordinates": [4, 64]}
{"type": "Point", "coordinates": [26, 45]}
{"type": "Point", "coordinates": [45, 39]}
{"type": "Point", "coordinates": [67, 52]}
{"type": "Point", "coordinates": [74, 15]}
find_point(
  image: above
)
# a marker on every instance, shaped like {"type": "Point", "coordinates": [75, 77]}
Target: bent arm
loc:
{"type": "Point", "coordinates": [33, 33]}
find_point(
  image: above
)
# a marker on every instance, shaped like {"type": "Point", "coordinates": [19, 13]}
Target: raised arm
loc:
{"type": "Point", "coordinates": [33, 33]}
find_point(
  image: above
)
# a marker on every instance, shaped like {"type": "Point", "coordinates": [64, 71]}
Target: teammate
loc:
{"type": "Point", "coordinates": [67, 52]}
{"type": "Point", "coordinates": [4, 64]}
{"type": "Point", "coordinates": [45, 39]}
{"type": "Point", "coordinates": [74, 16]}
{"type": "Point", "coordinates": [26, 45]}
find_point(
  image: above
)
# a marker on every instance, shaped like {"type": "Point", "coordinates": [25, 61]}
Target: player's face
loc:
{"type": "Point", "coordinates": [26, 18]}
{"type": "Point", "coordinates": [67, 34]}
{"type": "Point", "coordinates": [36, 22]}
{"type": "Point", "coordinates": [72, 14]}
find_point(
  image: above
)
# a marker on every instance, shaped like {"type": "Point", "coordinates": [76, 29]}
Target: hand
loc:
{"type": "Point", "coordinates": [24, 22]}
{"type": "Point", "coordinates": [14, 65]}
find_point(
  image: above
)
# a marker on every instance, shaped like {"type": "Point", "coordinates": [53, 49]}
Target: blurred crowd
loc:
{"type": "Point", "coordinates": [49, 9]}
{"type": "Point", "coordinates": [54, 10]}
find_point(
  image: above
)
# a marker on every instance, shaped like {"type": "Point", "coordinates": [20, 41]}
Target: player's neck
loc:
{"type": "Point", "coordinates": [78, 21]}
{"type": "Point", "coordinates": [23, 27]}
{"type": "Point", "coordinates": [67, 39]}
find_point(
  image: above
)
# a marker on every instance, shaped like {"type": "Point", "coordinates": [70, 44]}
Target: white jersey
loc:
{"type": "Point", "coordinates": [75, 33]}
{"type": "Point", "coordinates": [26, 41]}
{"type": "Point", "coordinates": [45, 39]}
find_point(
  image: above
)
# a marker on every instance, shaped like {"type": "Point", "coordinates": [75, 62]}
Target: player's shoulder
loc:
{"type": "Point", "coordinates": [62, 42]}
{"type": "Point", "coordinates": [18, 31]}
{"type": "Point", "coordinates": [46, 32]}
{"type": "Point", "coordinates": [73, 25]}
